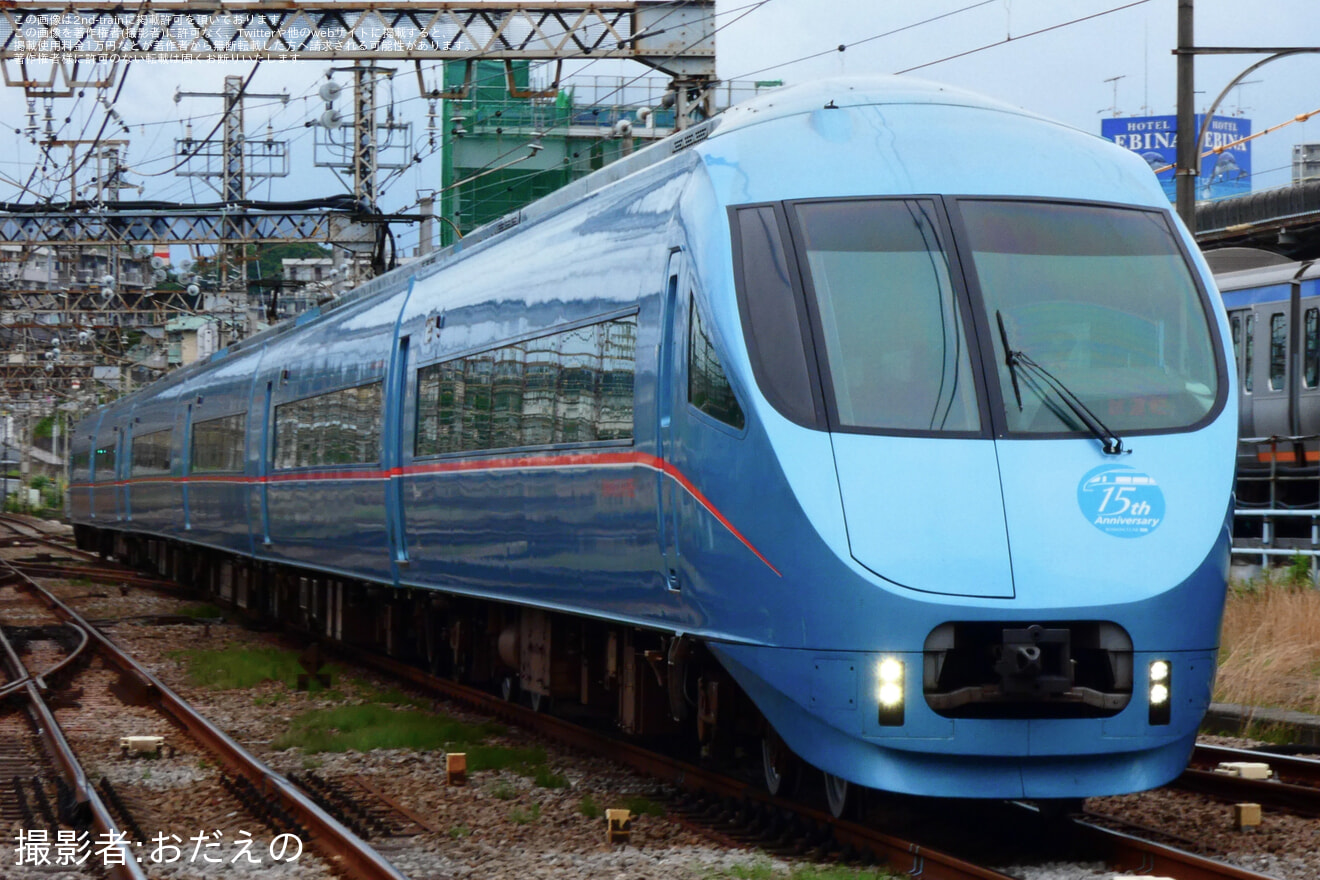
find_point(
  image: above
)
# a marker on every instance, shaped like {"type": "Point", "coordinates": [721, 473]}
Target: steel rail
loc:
{"type": "Point", "coordinates": [101, 575]}
{"type": "Point", "coordinates": [1123, 852]}
{"type": "Point", "coordinates": [57, 746]}
{"type": "Point", "coordinates": [69, 658]}
{"type": "Point", "coordinates": [350, 854]}
{"type": "Point", "coordinates": [40, 680]}
{"type": "Point", "coordinates": [901, 855]}
{"type": "Point", "coordinates": [41, 537]}
{"type": "Point", "coordinates": [1294, 768]}
{"type": "Point", "coordinates": [1295, 786]}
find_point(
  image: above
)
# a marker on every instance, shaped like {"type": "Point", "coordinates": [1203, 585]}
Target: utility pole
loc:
{"type": "Point", "coordinates": [233, 172]}
{"type": "Point", "coordinates": [24, 456]}
{"type": "Point", "coordinates": [364, 132]}
{"type": "Point", "coordinates": [363, 146]}
{"type": "Point", "coordinates": [4, 463]}
{"type": "Point", "coordinates": [1188, 163]}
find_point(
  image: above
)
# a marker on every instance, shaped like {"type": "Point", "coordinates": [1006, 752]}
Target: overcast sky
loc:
{"type": "Point", "coordinates": [1060, 73]}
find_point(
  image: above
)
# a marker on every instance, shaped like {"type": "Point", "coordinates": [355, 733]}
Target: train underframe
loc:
{"type": "Point", "coordinates": [650, 684]}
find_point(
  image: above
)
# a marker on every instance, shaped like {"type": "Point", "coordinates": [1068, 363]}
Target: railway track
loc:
{"type": "Point", "coordinates": [79, 803]}
{"type": "Point", "coordinates": [265, 794]}
{"type": "Point", "coordinates": [1293, 783]}
{"type": "Point", "coordinates": [58, 559]}
{"type": "Point", "coordinates": [744, 807]}
{"type": "Point", "coordinates": [737, 810]}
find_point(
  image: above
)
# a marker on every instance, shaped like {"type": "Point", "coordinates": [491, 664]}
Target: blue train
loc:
{"type": "Point", "coordinates": [872, 425]}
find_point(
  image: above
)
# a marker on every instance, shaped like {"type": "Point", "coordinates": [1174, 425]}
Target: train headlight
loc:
{"type": "Point", "coordinates": [889, 676]}
{"type": "Point", "coordinates": [1160, 692]}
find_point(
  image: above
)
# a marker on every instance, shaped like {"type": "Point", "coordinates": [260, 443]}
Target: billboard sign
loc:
{"type": "Point", "coordinates": [1155, 139]}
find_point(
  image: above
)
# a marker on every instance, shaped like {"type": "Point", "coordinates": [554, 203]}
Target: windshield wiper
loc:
{"type": "Point", "coordinates": [1036, 375]}
{"type": "Point", "coordinates": [1010, 359]}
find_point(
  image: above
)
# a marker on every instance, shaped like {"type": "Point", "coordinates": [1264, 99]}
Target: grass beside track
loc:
{"type": "Point", "coordinates": [369, 726]}
{"type": "Point", "coordinates": [367, 717]}
{"type": "Point", "coordinates": [236, 667]}
{"type": "Point", "coordinates": [1269, 651]}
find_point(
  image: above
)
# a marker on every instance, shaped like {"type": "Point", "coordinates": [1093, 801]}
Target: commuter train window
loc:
{"type": "Point", "coordinates": [1104, 303]}
{"type": "Point", "coordinates": [1248, 350]}
{"type": "Point", "coordinates": [341, 427]}
{"type": "Point", "coordinates": [570, 387]}
{"type": "Point", "coordinates": [891, 325]}
{"type": "Point", "coordinates": [1278, 351]}
{"type": "Point", "coordinates": [217, 445]}
{"type": "Point", "coordinates": [104, 460]}
{"type": "Point", "coordinates": [708, 386]}
{"type": "Point", "coordinates": [1311, 368]}
{"type": "Point", "coordinates": [151, 454]}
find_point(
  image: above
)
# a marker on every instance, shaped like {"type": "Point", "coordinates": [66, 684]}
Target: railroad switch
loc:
{"type": "Point", "coordinates": [1245, 769]}
{"type": "Point", "coordinates": [456, 768]}
{"type": "Point", "coordinates": [618, 825]}
{"type": "Point", "coordinates": [1246, 816]}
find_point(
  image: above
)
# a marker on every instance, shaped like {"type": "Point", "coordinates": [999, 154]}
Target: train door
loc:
{"type": "Point", "coordinates": [119, 485]}
{"type": "Point", "coordinates": [394, 454]}
{"type": "Point", "coordinates": [185, 467]}
{"type": "Point", "coordinates": [1270, 410]}
{"type": "Point", "coordinates": [1308, 414]}
{"type": "Point", "coordinates": [667, 489]}
{"type": "Point", "coordinates": [1243, 324]}
{"type": "Point", "coordinates": [263, 465]}
{"type": "Point", "coordinates": [125, 487]}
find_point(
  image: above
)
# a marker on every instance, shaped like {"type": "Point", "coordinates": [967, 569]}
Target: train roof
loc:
{"type": "Point", "coordinates": [854, 91]}
{"type": "Point", "coordinates": [1266, 276]}
{"type": "Point", "coordinates": [860, 91]}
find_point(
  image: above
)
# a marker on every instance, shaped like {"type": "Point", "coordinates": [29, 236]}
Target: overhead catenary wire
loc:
{"type": "Point", "coordinates": [889, 33]}
{"type": "Point", "coordinates": [140, 164]}
{"type": "Point", "coordinates": [1013, 39]}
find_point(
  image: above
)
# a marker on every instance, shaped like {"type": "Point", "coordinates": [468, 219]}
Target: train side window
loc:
{"type": "Point", "coordinates": [340, 427]}
{"type": "Point", "coordinates": [80, 466]}
{"type": "Point", "coordinates": [708, 386]}
{"type": "Point", "coordinates": [1248, 352]}
{"type": "Point", "coordinates": [1278, 351]}
{"type": "Point", "coordinates": [1311, 369]}
{"type": "Point", "coordinates": [104, 461]}
{"type": "Point", "coordinates": [217, 445]}
{"type": "Point", "coordinates": [575, 386]}
{"type": "Point", "coordinates": [151, 454]}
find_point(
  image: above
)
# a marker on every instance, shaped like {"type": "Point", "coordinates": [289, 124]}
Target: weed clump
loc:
{"type": "Point", "coordinates": [1269, 651]}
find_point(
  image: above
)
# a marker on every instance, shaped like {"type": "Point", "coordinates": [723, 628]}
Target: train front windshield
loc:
{"type": "Point", "coordinates": [1096, 300]}
{"type": "Point", "coordinates": [1104, 300]}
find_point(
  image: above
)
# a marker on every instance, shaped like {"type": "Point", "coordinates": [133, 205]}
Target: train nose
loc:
{"type": "Point", "coordinates": [904, 495]}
